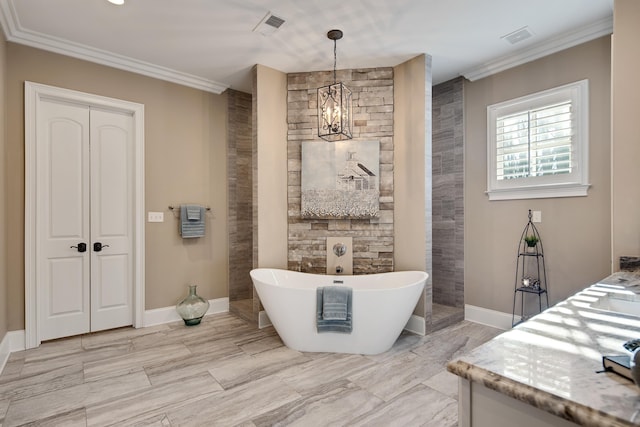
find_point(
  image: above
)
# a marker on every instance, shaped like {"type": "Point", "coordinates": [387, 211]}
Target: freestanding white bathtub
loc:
{"type": "Point", "coordinates": [381, 306]}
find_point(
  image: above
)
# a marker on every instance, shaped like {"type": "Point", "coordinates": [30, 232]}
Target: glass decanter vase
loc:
{"type": "Point", "coordinates": [192, 308]}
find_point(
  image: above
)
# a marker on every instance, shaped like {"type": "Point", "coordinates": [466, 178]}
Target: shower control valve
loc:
{"type": "Point", "coordinates": [339, 249]}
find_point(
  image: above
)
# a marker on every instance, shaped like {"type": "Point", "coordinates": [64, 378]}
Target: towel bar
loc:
{"type": "Point", "coordinates": [178, 207]}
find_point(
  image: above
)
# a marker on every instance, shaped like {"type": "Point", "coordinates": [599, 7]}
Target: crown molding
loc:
{"type": "Point", "coordinates": [14, 32]}
{"type": "Point", "coordinates": [563, 41]}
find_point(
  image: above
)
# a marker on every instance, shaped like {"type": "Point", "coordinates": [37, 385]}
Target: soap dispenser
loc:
{"type": "Point", "coordinates": [635, 366]}
{"type": "Point", "coordinates": [633, 346]}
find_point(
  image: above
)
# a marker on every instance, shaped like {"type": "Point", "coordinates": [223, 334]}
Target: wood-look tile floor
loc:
{"type": "Point", "coordinates": [225, 372]}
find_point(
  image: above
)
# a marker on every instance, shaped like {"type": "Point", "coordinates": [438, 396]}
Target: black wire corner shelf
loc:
{"type": "Point", "coordinates": [531, 272]}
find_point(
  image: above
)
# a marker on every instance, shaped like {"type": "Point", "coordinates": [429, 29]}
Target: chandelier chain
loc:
{"type": "Point", "coordinates": [335, 61]}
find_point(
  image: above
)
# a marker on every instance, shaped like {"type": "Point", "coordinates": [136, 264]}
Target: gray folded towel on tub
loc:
{"type": "Point", "coordinates": [333, 309]}
{"type": "Point", "coordinates": [334, 302]}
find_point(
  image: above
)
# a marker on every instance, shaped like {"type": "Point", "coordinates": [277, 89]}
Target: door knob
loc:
{"type": "Point", "coordinates": [97, 246]}
{"type": "Point", "coordinates": [82, 247]}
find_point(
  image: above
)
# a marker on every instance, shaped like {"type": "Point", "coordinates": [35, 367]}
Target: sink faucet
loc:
{"type": "Point", "coordinates": [339, 269]}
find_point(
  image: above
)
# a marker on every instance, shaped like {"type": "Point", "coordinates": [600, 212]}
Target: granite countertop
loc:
{"type": "Point", "coordinates": [550, 361]}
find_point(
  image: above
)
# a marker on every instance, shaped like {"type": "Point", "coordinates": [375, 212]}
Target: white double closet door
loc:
{"type": "Point", "coordinates": [84, 219]}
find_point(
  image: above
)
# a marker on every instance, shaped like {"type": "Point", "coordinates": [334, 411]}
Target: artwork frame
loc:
{"type": "Point", "coordinates": [340, 180]}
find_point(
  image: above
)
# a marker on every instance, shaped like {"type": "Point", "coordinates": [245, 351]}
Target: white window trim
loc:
{"type": "Point", "coordinates": [570, 185]}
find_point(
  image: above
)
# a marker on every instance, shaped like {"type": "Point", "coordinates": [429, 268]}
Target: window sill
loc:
{"type": "Point", "coordinates": [539, 192]}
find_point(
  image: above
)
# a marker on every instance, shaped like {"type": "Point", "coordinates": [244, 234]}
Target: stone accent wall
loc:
{"type": "Point", "coordinates": [448, 192]}
{"type": "Point", "coordinates": [373, 120]}
{"type": "Point", "coordinates": [240, 187]}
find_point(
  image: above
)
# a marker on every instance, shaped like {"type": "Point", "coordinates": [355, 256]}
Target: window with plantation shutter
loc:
{"type": "Point", "coordinates": [538, 145]}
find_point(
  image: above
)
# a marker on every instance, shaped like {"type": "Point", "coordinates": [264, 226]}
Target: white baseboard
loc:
{"type": "Point", "coordinates": [5, 351]}
{"type": "Point", "coordinates": [484, 316]}
{"type": "Point", "coordinates": [12, 341]}
{"type": "Point", "coordinates": [158, 316]}
{"type": "Point", "coordinates": [417, 325]}
{"type": "Point", "coordinates": [17, 340]}
{"type": "Point", "coordinates": [263, 320]}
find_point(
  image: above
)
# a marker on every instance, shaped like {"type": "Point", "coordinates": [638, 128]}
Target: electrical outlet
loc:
{"type": "Point", "coordinates": [155, 216]}
{"type": "Point", "coordinates": [537, 216]}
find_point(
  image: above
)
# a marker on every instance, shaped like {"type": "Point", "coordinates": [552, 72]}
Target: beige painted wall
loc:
{"type": "Point", "coordinates": [625, 143]}
{"type": "Point", "coordinates": [4, 303]}
{"type": "Point", "coordinates": [271, 183]}
{"type": "Point", "coordinates": [185, 150]}
{"type": "Point", "coordinates": [576, 231]}
{"type": "Point", "coordinates": [412, 163]}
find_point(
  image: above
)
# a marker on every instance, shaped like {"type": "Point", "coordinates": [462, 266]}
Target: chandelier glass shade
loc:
{"type": "Point", "coordinates": [335, 119]}
{"type": "Point", "coordinates": [334, 112]}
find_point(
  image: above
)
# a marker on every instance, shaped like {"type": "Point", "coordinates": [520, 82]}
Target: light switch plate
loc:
{"type": "Point", "coordinates": [155, 216]}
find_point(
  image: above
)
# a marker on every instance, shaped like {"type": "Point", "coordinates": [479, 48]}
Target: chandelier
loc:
{"type": "Point", "coordinates": [334, 104]}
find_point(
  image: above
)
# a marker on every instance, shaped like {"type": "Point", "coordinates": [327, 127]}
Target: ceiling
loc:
{"type": "Point", "coordinates": [211, 45]}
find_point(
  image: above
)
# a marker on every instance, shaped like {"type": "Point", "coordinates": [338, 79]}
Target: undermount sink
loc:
{"type": "Point", "coordinates": [625, 304]}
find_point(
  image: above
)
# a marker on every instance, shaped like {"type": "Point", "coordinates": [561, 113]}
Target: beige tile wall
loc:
{"type": "Point", "coordinates": [240, 194]}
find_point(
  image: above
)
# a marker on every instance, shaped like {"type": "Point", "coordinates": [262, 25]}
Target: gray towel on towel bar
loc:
{"type": "Point", "coordinates": [192, 221]}
{"type": "Point", "coordinates": [193, 212]}
{"type": "Point", "coordinates": [333, 322]}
